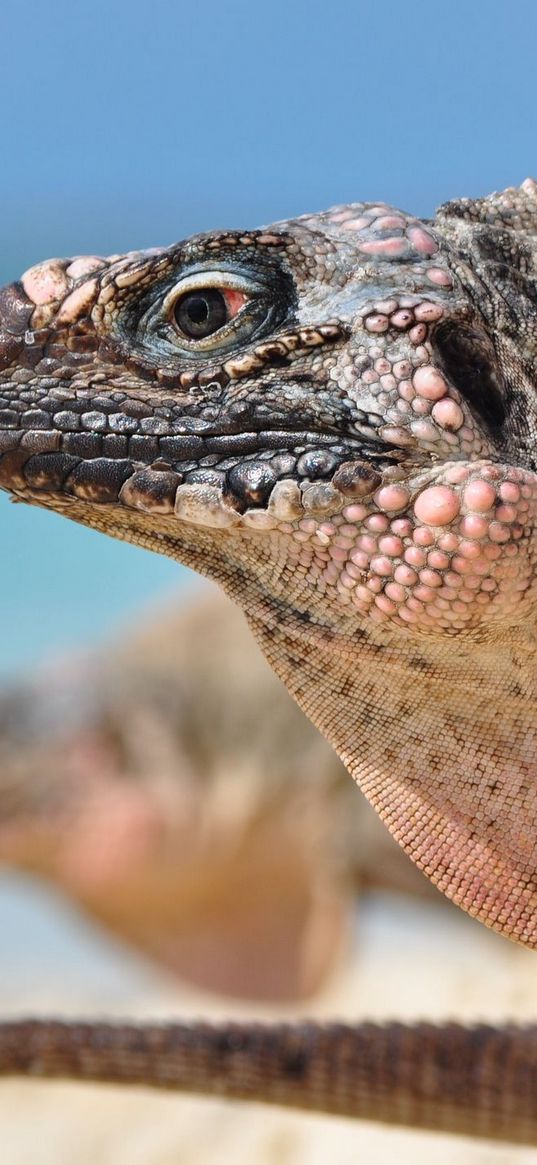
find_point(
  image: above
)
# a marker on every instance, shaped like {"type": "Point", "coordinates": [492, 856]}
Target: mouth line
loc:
{"type": "Point", "coordinates": [185, 451]}
{"type": "Point", "coordinates": [202, 474]}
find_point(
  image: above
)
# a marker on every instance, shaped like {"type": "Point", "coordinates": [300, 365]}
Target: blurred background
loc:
{"type": "Point", "coordinates": [152, 866]}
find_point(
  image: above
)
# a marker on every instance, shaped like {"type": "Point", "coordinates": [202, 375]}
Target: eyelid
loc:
{"type": "Point", "coordinates": [217, 280]}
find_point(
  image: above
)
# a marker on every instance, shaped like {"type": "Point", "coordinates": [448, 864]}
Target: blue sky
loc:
{"type": "Point", "coordinates": [129, 123]}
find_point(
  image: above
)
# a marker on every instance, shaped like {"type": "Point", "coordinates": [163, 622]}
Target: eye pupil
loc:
{"type": "Point", "coordinates": [200, 313]}
{"type": "Point", "coordinates": [197, 309]}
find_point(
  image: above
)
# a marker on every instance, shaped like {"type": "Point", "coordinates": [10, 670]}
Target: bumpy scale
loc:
{"type": "Point", "coordinates": [334, 418]}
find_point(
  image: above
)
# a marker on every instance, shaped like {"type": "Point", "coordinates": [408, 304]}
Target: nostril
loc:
{"type": "Point", "coordinates": [15, 315]}
{"type": "Point", "coordinates": [15, 310]}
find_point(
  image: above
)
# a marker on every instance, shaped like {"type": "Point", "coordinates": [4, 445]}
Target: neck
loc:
{"type": "Point", "coordinates": [416, 723]}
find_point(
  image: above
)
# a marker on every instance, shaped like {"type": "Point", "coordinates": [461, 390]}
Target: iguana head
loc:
{"type": "Point", "coordinates": [335, 418]}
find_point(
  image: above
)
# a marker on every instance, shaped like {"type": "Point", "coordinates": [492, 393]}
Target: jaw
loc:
{"type": "Point", "coordinates": [412, 711]}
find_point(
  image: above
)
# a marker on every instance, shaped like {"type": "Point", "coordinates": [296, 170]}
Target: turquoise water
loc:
{"type": "Point", "coordinates": [62, 586]}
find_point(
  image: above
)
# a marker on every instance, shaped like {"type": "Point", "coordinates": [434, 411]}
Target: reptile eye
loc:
{"type": "Point", "coordinates": [213, 310]}
{"type": "Point", "coordinates": [202, 312]}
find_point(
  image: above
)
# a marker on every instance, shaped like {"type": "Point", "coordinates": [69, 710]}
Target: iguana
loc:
{"type": "Point", "coordinates": [334, 418]}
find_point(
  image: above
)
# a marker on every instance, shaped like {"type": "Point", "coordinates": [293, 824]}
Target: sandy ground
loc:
{"type": "Point", "coordinates": [409, 960]}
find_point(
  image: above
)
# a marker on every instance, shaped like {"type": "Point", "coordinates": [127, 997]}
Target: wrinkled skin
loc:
{"type": "Point", "coordinates": [350, 451]}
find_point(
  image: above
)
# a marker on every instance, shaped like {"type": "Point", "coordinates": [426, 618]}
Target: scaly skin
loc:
{"type": "Point", "coordinates": [350, 454]}
{"type": "Point", "coordinates": [473, 1081]}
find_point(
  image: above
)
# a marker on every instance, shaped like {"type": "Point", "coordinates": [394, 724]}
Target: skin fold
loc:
{"type": "Point", "coordinates": [334, 418]}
